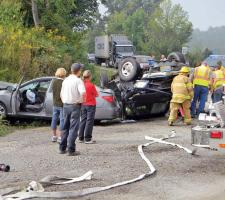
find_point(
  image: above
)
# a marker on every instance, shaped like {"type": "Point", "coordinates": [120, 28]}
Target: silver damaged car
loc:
{"type": "Point", "coordinates": [14, 102]}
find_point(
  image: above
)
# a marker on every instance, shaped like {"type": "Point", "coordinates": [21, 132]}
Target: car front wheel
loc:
{"type": "Point", "coordinates": [2, 110]}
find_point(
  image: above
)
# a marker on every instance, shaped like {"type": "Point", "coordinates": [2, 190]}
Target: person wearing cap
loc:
{"type": "Point", "coordinates": [73, 95]}
{"type": "Point", "coordinates": [217, 82]}
{"type": "Point", "coordinates": [201, 81]}
{"type": "Point", "coordinates": [88, 110]}
{"type": "Point", "coordinates": [182, 93]}
{"type": "Point", "coordinates": [57, 104]}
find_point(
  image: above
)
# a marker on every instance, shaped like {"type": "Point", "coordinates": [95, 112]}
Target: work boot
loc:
{"type": "Point", "coordinates": [188, 123]}
{"type": "Point", "coordinates": [76, 153]}
{"type": "Point", "coordinates": [62, 152]}
{"type": "Point", "coordinates": [170, 123]}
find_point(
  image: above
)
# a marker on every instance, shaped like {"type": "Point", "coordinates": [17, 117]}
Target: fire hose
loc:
{"type": "Point", "coordinates": [36, 190]}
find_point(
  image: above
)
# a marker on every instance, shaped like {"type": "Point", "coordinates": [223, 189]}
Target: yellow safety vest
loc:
{"type": "Point", "coordinates": [202, 76]}
{"type": "Point", "coordinates": [219, 79]}
{"type": "Point", "coordinates": [182, 89]}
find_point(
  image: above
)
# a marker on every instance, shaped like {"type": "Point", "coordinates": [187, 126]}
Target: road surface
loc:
{"type": "Point", "coordinates": [114, 158]}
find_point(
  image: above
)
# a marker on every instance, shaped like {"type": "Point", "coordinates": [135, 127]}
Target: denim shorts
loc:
{"type": "Point", "coordinates": [57, 116]}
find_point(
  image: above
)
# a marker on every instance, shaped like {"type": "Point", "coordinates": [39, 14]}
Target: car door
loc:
{"type": "Point", "coordinates": [49, 101]}
{"type": "Point", "coordinates": [15, 99]}
{"type": "Point", "coordinates": [18, 97]}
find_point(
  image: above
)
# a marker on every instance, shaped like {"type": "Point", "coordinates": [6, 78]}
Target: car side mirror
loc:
{"type": "Point", "coordinates": [10, 88]}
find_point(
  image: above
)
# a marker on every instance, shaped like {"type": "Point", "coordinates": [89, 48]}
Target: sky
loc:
{"type": "Point", "coordinates": [202, 13]}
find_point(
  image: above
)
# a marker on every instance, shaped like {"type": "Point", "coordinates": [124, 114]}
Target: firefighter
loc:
{"type": "Point", "coordinates": [218, 80]}
{"type": "Point", "coordinates": [201, 82]}
{"type": "Point", "coordinates": [220, 64]}
{"type": "Point", "coordinates": [182, 91]}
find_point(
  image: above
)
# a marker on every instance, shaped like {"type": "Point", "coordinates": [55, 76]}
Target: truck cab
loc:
{"type": "Point", "coordinates": [111, 49]}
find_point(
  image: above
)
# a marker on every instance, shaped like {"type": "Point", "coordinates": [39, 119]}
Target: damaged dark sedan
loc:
{"type": "Point", "coordinates": [143, 88]}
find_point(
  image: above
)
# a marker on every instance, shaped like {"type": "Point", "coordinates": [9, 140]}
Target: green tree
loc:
{"type": "Point", "coordinates": [131, 18]}
{"type": "Point", "coordinates": [52, 43]}
{"type": "Point", "coordinates": [130, 6]}
{"type": "Point", "coordinates": [168, 28]}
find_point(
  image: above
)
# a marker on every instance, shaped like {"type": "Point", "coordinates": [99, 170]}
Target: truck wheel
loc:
{"type": "Point", "coordinates": [104, 80]}
{"type": "Point", "coordinates": [129, 69]}
{"type": "Point", "coordinates": [179, 57]}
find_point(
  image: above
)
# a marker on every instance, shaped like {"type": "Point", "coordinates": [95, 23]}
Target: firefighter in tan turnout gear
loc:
{"type": "Point", "coordinates": [182, 91]}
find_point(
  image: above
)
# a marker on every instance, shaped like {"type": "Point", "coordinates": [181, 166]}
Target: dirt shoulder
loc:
{"type": "Point", "coordinates": [115, 158]}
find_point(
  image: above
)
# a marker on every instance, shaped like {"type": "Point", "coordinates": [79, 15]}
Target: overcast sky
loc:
{"type": "Point", "coordinates": [202, 13]}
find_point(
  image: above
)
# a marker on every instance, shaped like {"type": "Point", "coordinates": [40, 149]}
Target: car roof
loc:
{"type": "Point", "coordinates": [213, 59]}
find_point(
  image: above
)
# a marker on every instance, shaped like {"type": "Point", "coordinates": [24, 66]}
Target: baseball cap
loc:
{"type": "Point", "coordinates": [76, 67]}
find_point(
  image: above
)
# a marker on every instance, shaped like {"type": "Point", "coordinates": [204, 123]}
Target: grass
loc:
{"type": "Point", "coordinates": [6, 127]}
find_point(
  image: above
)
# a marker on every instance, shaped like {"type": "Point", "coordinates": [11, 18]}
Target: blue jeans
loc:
{"type": "Point", "coordinates": [71, 115]}
{"type": "Point", "coordinates": [87, 122]}
{"type": "Point", "coordinates": [217, 95]}
{"type": "Point", "coordinates": [201, 95]}
{"type": "Point", "coordinates": [57, 115]}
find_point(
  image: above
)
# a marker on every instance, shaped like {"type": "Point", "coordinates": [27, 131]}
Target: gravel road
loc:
{"type": "Point", "coordinates": [115, 158]}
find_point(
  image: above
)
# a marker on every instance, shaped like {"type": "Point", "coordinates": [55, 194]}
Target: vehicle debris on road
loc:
{"type": "Point", "coordinates": [4, 168]}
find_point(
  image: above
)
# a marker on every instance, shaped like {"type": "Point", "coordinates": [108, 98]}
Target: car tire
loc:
{"type": "Point", "coordinates": [129, 69]}
{"type": "Point", "coordinates": [3, 110]}
{"type": "Point", "coordinates": [179, 57]}
{"type": "Point", "coordinates": [104, 80]}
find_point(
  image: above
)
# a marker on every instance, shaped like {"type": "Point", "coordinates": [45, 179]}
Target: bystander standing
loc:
{"type": "Point", "coordinates": [88, 110]}
{"type": "Point", "coordinates": [57, 104]}
{"type": "Point", "coordinates": [73, 95]}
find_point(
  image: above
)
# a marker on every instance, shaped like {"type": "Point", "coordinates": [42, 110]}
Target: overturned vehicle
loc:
{"type": "Point", "coordinates": [143, 86]}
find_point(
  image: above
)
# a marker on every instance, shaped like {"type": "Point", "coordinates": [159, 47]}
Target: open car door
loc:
{"type": "Point", "coordinates": [15, 99]}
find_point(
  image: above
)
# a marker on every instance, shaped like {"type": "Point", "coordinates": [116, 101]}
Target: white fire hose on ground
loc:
{"type": "Point", "coordinates": [36, 190]}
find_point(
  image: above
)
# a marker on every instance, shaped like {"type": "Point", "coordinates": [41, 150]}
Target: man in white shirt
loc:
{"type": "Point", "coordinates": [72, 94]}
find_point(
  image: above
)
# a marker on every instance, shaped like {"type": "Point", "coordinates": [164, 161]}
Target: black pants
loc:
{"type": "Point", "coordinates": [87, 122]}
{"type": "Point", "coordinates": [71, 114]}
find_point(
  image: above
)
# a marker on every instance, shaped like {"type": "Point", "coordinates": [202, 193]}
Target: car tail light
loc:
{"type": "Point", "coordinates": [109, 99]}
{"type": "Point", "coordinates": [216, 134]}
{"type": "Point", "coordinates": [222, 146]}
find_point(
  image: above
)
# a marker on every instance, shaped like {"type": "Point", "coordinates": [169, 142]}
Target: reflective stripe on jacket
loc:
{"type": "Point", "coordinates": [202, 76]}
{"type": "Point", "coordinates": [218, 79]}
{"type": "Point", "coordinates": [182, 89]}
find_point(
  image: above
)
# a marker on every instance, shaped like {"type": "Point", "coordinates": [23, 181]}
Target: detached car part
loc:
{"type": "Point", "coordinates": [211, 135]}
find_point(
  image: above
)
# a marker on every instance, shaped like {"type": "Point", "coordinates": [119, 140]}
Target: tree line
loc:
{"type": "Point", "coordinates": [155, 26]}
{"type": "Point", "coordinates": [38, 36]}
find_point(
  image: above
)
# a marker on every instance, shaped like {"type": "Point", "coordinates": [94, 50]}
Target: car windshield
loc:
{"type": "Point", "coordinates": [213, 59]}
{"type": "Point", "coordinates": [124, 49]}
